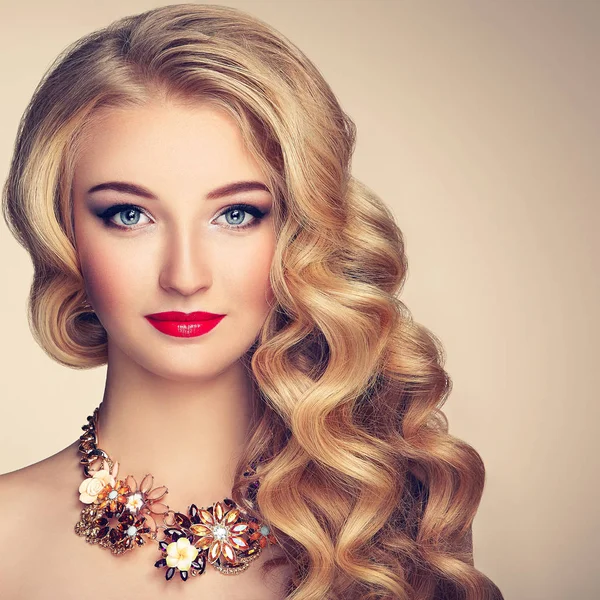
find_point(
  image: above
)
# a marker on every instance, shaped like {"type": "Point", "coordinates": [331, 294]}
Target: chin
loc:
{"type": "Point", "coordinates": [194, 366]}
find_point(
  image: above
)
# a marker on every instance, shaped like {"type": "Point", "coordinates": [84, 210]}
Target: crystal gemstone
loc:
{"type": "Point", "coordinates": [220, 532]}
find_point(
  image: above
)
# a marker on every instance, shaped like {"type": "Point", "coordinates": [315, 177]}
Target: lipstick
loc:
{"type": "Point", "coordinates": [179, 324]}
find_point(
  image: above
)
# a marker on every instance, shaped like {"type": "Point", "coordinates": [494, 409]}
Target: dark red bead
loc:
{"type": "Point", "coordinates": [102, 532]}
{"type": "Point", "coordinates": [126, 518]}
{"type": "Point", "coordinates": [114, 536]}
{"type": "Point", "coordinates": [182, 520]}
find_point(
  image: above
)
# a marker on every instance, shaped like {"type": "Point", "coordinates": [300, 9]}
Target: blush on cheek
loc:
{"type": "Point", "coordinates": [252, 279]}
{"type": "Point", "coordinates": [104, 286]}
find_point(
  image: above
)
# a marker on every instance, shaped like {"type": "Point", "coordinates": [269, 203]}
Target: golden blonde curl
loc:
{"type": "Point", "coordinates": [369, 495]}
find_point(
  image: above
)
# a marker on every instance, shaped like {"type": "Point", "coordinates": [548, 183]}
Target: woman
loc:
{"type": "Point", "coordinates": [182, 182]}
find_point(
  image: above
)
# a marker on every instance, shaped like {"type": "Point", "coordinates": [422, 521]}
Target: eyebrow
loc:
{"type": "Point", "coordinates": [220, 192]}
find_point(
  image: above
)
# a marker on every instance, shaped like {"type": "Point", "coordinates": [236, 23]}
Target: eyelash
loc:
{"type": "Point", "coordinates": [116, 209]}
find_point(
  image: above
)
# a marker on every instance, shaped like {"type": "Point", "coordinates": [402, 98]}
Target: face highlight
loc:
{"type": "Point", "coordinates": [171, 213]}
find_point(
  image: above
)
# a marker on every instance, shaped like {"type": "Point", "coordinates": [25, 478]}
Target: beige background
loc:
{"type": "Point", "coordinates": [478, 123]}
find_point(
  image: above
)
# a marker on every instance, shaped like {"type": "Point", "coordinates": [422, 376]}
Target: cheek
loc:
{"type": "Point", "coordinates": [247, 275]}
{"type": "Point", "coordinates": [112, 282]}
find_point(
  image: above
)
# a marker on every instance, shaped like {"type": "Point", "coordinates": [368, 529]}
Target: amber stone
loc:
{"type": "Point", "coordinates": [102, 532]}
{"type": "Point", "coordinates": [239, 543]}
{"type": "Point", "coordinates": [204, 542]}
{"type": "Point", "coordinates": [239, 527]}
{"type": "Point", "coordinates": [200, 529]}
{"type": "Point", "coordinates": [219, 511]}
{"type": "Point", "coordinates": [114, 536]}
{"type": "Point", "coordinates": [182, 520]}
{"type": "Point", "coordinates": [126, 518]}
{"type": "Point", "coordinates": [127, 543]}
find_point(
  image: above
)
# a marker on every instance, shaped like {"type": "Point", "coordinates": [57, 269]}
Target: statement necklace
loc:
{"type": "Point", "coordinates": [120, 515]}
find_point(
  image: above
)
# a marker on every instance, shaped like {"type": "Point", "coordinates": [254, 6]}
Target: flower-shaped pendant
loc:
{"type": "Point", "coordinates": [119, 515]}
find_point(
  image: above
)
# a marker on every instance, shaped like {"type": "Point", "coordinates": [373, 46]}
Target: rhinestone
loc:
{"type": "Point", "coordinates": [131, 531]}
{"type": "Point", "coordinates": [113, 494]}
{"type": "Point", "coordinates": [220, 532]}
{"type": "Point", "coordinates": [265, 530]}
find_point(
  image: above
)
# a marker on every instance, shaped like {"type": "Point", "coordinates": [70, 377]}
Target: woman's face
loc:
{"type": "Point", "coordinates": [178, 245]}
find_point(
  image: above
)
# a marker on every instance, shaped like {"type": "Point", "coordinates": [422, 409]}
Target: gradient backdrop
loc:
{"type": "Point", "coordinates": [478, 124]}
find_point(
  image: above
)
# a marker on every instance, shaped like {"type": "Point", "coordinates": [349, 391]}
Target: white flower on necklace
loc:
{"type": "Point", "coordinates": [181, 553]}
{"type": "Point", "coordinates": [134, 502]}
{"type": "Point", "coordinates": [92, 486]}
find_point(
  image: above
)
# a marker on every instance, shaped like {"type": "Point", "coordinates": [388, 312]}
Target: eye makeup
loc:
{"type": "Point", "coordinates": [107, 215]}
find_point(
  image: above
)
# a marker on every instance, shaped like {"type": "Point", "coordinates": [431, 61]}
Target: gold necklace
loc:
{"type": "Point", "coordinates": [120, 515]}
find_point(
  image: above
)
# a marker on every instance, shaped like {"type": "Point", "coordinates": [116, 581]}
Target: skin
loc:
{"type": "Point", "coordinates": [179, 408]}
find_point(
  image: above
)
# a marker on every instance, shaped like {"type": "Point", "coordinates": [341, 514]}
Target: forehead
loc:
{"type": "Point", "coordinates": [160, 143]}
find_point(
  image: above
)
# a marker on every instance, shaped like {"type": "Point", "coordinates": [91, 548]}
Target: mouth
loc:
{"type": "Point", "coordinates": [178, 324]}
{"type": "Point", "coordinates": [185, 317]}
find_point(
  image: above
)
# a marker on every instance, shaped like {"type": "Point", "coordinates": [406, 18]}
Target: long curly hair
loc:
{"type": "Point", "coordinates": [367, 492]}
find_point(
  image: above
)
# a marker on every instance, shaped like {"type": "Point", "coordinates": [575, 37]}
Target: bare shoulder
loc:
{"type": "Point", "coordinates": [43, 476]}
{"type": "Point", "coordinates": [14, 498]}
{"type": "Point", "coordinates": [28, 500]}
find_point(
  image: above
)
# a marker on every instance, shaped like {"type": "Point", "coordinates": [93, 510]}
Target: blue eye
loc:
{"type": "Point", "coordinates": [133, 216]}
{"type": "Point", "coordinates": [128, 215]}
{"type": "Point", "coordinates": [239, 211]}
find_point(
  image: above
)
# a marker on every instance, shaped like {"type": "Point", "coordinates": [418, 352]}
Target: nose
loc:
{"type": "Point", "coordinates": [185, 267]}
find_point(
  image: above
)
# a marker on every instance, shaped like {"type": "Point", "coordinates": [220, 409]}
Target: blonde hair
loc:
{"type": "Point", "coordinates": [367, 492]}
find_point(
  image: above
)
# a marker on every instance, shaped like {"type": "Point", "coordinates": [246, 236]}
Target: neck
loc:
{"type": "Point", "coordinates": [187, 434]}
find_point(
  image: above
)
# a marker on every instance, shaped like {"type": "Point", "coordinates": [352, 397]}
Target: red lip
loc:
{"type": "Point", "coordinates": [181, 316]}
{"type": "Point", "coordinates": [178, 324]}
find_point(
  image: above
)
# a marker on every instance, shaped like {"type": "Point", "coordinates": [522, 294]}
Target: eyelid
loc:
{"type": "Point", "coordinates": [114, 209]}
{"type": "Point", "coordinates": [255, 212]}
{"type": "Point", "coordinates": [241, 206]}
{"type": "Point", "coordinates": [108, 213]}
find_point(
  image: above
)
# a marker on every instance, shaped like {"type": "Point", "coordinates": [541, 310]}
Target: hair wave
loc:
{"type": "Point", "coordinates": [368, 493]}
